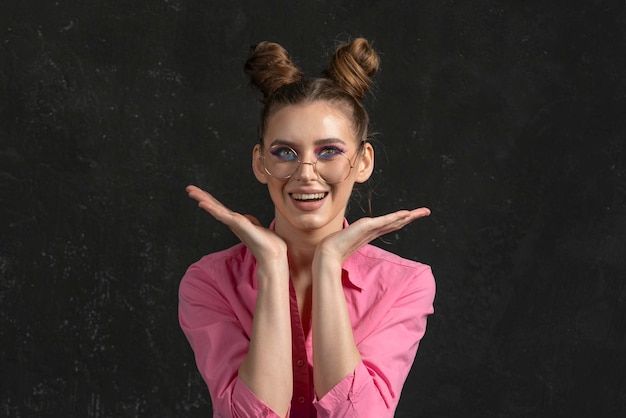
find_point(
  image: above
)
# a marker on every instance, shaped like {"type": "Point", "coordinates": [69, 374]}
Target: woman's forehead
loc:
{"type": "Point", "coordinates": [314, 121]}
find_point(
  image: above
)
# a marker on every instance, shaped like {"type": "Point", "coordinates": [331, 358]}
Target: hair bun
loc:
{"type": "Point", "coordinates": [270, 67]}
{"type": "Point", "coordinates": [352, 67]}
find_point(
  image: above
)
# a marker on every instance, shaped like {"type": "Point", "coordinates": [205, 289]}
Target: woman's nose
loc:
{"type": "Point", "coordinates": [306, 171]}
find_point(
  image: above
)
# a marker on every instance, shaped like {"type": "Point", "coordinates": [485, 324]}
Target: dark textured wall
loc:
{"type": "Point", "coordinates": [506, 118]}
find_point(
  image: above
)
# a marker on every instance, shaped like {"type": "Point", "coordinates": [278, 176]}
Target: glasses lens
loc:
{"type": "Point", "coordinates": [332, 165]}
{"type": "Point", "coordinates": [334, 168]}
{"type": "Point", "coordinates": [281, 162]}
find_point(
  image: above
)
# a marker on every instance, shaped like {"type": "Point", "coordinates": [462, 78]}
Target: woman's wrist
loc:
{"type": "Point", "coordinates": [326, 259]}
{"type": "Point", "coordinates": [274, 269]}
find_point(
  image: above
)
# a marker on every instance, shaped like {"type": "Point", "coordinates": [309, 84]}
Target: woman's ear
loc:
{"type": "Point", "coordinates": [365, 164]}
{"type": "Point", "coordinates": [257, 164]}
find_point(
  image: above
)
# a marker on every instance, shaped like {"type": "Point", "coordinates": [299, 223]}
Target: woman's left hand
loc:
{"type": "Point", "coordinates": [342, 244]}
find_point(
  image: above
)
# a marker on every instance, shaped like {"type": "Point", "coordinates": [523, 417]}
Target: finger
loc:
{"type": "Point", "coordinates": [218, 211]}
{"type": "Point", "coordinates": [206, 200]}
{"type": "Point", "coordinates": [404, 218]}
{"type": "Point", "coordinates": [379, 226]}
{"type": "Point", "coordinates": [420, 213]}
{"type": "Point", "coordinates": [384, 222]}
{"type": "Point", "coordinates": [200, 195]}
{"type": "Point", "coordinates": [191, 189]}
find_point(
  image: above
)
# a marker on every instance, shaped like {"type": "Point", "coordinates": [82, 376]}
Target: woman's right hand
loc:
{"type": "Point", "coordinates": [265, 244]}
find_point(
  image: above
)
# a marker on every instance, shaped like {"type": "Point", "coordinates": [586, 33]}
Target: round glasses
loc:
{"type": "Point", "coordinates": [331, 165]}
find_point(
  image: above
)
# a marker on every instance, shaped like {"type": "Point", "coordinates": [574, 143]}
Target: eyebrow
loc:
{"type": "Point", "coordinates": [322, 141]}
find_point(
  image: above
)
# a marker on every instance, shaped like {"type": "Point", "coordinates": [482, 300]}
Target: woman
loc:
{"type": "Point", "coordinates": [305, 318]}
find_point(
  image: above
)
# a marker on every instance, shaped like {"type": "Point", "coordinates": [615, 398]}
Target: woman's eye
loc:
{"type": "Point", "coordinates": [284, 153]}
{"type": "Point", "coordinates": [329, 152]}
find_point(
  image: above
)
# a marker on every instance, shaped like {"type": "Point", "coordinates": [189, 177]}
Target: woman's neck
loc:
{"type": "Point", "coordinates": [301, 244]}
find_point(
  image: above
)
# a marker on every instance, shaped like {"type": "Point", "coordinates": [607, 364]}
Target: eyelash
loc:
{"type": "Point", "coordinates": [333, 149]}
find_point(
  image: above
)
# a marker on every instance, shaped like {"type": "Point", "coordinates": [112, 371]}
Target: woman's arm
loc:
{"type": "Point", "coordinates": [266, 369]}
{"type": "Point", "coordinates": [216, 319]}
{"type": "Point", "coordinates": [335, 354]}
{"type": "Point", "coordinates": [387, 347]}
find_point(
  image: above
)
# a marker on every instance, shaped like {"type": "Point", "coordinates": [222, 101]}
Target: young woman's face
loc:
{"type": "Point", "coordinates": [317, 131]}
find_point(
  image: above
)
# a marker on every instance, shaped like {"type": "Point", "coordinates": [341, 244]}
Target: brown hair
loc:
{"type": "Point", "coordinates": [345, 82]}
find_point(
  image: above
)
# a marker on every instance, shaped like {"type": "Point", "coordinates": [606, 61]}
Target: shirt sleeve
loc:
{"type": "Point", "coordinates": [387, 354]}
{"type": "Point", "coordinates": [220, 345]}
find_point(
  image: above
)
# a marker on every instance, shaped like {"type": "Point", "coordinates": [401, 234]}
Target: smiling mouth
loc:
{"type": "Point", "coordinates": [308, 197]}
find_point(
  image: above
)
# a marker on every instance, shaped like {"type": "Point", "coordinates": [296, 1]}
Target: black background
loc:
{"type": "Point", "coordinates": [506, 118]}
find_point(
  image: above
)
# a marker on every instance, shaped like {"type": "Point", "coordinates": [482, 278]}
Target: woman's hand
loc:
{"type": "Point", "coordinates": [340, 245]}
{"type": "Point", "coordinates": [264, 244]}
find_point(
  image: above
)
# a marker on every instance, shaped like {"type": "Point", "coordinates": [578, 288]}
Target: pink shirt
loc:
{"type": "Point", "coordinates": [388, 297]}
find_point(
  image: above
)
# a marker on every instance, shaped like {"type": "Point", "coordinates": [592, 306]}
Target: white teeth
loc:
{"type": "Point", "coordinates": [308, 196]}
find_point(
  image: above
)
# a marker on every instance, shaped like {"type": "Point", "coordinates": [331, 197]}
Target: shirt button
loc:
{"type": "Point", "coordinates": [300, 363]}
{"type": "Point", "coordinates": [301, 399]}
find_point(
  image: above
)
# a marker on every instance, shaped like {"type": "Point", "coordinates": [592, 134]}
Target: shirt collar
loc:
{"type": "Point", "coordinates": [351, 272]}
